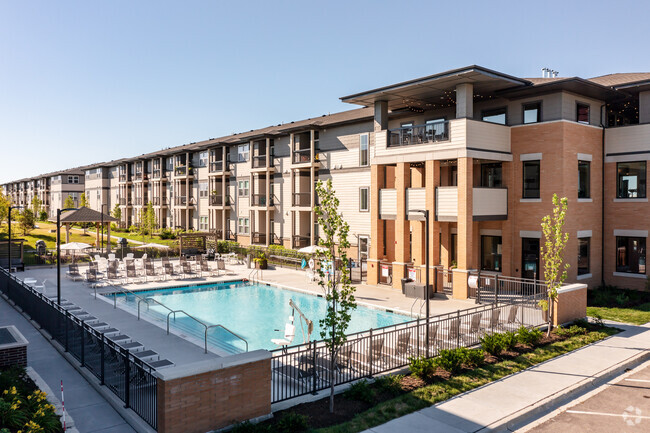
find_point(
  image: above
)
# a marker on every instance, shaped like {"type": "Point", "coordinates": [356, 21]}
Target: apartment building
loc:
{"type": "Point", "coordinates": [483, 151]}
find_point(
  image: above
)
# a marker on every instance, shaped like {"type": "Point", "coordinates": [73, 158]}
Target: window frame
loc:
{"type": "Point", "coordinates": [645, 181]}
{"type": "Point", "coordinates": [500, 255]}
{"type": "Point", "coordinates": [243, 155]}
{"type": "Point", "coordinates": [243, 226]}
{"type": "Point", "coordinates": [495, 112]}
{"type": "Point", "coordinates": [362, 151]}
{"type": "Point", "coordinates": [537, 162]}
{"type": "Point", "coordinates": [584, 104]}
{"type": "Point", "coordinates": [523, 112]}
{"type": "Point", "coordinates": [241, 189]}
{"type": "Point", "coordinates": [582, 271]}
{"type": "Point", "coordinates": [203, 189]}
{"type": "Point", "coordinates": [627, 257]}
{"type": "Point", "coordinates": [367, 189]}
{"type": "Point", "coordinates": [203, 158]}
{"type": "Point", "coordinates": [588, 185]}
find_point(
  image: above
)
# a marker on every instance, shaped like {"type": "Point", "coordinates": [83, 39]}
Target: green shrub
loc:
{"type": "Point", "coordinates": [492, 343]}
{"type": "Point", "coordinates": [361, 391]}
{"type": "Point", "coordinates": [167, 234]}
{"type": "Point", "coordinates": [509, 340]}
{"type": "Point", "coordinates": [529, 337]}
{"type": "Point", "coordinates": [292, 422]}
{"type": "Point", "coordinates": [451, 360]}
{"type": "Point", "coordinates": [42, 216]}
{"type": "Point", "coordinates": [224, 247]}
{"type": "Point", "coordinates": [571, 331]}
{"type": "Point", "coordinates": [598, 320]}
{"type": "Point", "coordinates": [391, 383]}
{"type": "Point", "coordinates": [249, 427]}
{"type": "Point", "coordinates": [423, 368]}
{"type": "Point", "coordinates": [473, 357]}
{"type": "Point", "coordinates": [622, 299]}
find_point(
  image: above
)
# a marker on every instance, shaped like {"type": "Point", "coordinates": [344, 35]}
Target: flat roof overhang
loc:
{"type": "Point", "coordinates": [430, 90]}
{"type": "Point", "coordinates": [573, 84]}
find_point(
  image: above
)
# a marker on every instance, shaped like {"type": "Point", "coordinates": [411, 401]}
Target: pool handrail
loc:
{"type": "Point", "coordinates": [223, 327]}
{"type": "Point", "coordinates": [204, 325]}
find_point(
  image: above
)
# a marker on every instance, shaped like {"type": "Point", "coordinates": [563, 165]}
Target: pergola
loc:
{"type": "Point", "coordinates": [197, 241]}
{"type": "Point", "coordinates": [86, 215]}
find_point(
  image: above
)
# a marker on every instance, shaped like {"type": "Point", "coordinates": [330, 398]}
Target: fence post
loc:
{"type": "Point", "coordinates": [127, 379]}
{"type": "Point", "coordinates": [478, 287]}
{"type": "Point", "coordinates": [65, 320]}
{"type": "Point", "coordinates": [418, 337]}
{"type": "Point", "coordinates": [103, 347]}
{"type": "Point", "coordinates": [313, 372]}
{"type": "Point", "coordinates": [83, 344]}
{"type": "Point", "coordinates": [370, 352]}
{"type": "Point", "coordinates": [458, 333]}
{"type": "Point", "coordinates": [496, 288]}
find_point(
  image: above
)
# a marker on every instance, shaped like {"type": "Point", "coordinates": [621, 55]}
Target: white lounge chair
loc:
{"type": "Point", "coordinates": [40, 287]}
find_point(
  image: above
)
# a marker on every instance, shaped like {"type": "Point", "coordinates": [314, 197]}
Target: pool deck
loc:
{"type": "Point", "coordinates": [178, 348]}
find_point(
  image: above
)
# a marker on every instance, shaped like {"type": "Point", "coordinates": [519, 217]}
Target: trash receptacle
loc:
{"type": "Point", "coordinates": [404, 281]}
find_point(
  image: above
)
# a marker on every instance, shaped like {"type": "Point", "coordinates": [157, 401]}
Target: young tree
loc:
{"type": "Point", "coordinates": [27, 221]}
{"type": "Point", "coordinates": [5, 202]}
{"type": "Point", "coordinates": [117, 212]}
{"type": "Point", "coordinates": [150, 218]}
{"type": "Point", "coordinates": [36, 205]}
{"type": "Point", "coordinates": [336, 284]}
{"type": "Point", "coordinates": [83, 200]}
{"type": "Point", "coordinates": [68, 203]}
{"type": "Point", "coordinates": [552, 252]}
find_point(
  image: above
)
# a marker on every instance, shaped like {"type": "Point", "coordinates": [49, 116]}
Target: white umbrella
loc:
{"type": "Point", "coordinates": [72, 246]}
{"type": "Point", "coordinates": [312, 249]}
{"type": "Point", "coordinates": [152, 245]}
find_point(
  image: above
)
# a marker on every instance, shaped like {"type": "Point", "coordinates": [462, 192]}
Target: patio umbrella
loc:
{"type": "Point", "coordinates": [154, 246]}
{"type": "Point", "coordinates": [312, 249]}
{"type": "Point", "coordinates": [75, 246]}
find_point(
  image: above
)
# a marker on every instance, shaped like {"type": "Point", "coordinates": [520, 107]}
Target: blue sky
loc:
{"type": "Point", "coordinates": [88, 81]}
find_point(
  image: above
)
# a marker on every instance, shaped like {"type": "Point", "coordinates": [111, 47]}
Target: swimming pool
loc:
{"type": "Point", "coordinates": [257, 312]}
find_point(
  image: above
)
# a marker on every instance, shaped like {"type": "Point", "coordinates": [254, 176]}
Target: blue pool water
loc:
{"type": "Point", "coordinates": [256, 312]}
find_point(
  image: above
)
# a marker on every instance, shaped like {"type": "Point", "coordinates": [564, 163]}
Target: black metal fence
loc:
{"type": "Point", "coordinates": [308, 368]}
{"type": "Point", "coordinates": [495, 288]}
{"type": "Point", "coordinates": [128, 378]}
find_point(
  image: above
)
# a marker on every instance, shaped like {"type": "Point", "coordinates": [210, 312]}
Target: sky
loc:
{"type": "Point", "coordinates": [88, 81]}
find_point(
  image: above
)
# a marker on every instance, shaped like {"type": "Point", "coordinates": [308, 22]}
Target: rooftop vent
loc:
{"type": "Point", "coordinates": [549, 73]}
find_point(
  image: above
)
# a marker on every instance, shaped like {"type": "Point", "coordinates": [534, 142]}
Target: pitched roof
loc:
{"type": "Point", "coordinates": [613, 80]}
{"type": "Point", "coordinates": [85, 215]}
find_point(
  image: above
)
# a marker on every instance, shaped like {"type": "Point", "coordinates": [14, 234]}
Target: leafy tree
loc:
{"type": "Point", "coordinates": [42, 216]}
{"type": "Point", "coordinates": [336, 284]}
{"type": "Point", "coordinates": [552, 252]}
{"type": "Point", "coordinates": [83, 200]}
{"type": "Point", "coordinates": [150, 219]}
{"type": "Point", "coordinates": [27, 221]}
{"type": "Point", "coordinates": [37, 205]}
{"type": "Point", "coordinates": [68, 203]}
{"type": "Point", "coordinates": [117, 212]}
{"type": "Point", "coordinates": [5, 202]}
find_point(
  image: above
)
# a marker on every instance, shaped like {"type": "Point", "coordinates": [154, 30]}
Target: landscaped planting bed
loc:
{"type": "Point", "coordinates": [431, 381]}
{"type": "Point", "coordinates": [619, 305]}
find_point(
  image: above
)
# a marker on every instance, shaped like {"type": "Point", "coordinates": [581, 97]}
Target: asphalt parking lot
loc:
{"type": "Point", "coordinates": [622, 405]}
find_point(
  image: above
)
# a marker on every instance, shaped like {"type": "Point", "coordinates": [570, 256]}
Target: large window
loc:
{"type": "Point", "coordinates": [531, 171]}
{"type": "Point", "coordinates": [582, 115]}
{"type": "Point", "coordinates": [584, 179]}
{"type": "Point", "coordinates": [73, 179]}
{"type": "Point", "coordinates": [203, 223]}
{"type": "Point", "coordinates": [491, 175]}
{"type": "Point", "coordinates": [203, 189]}
{"type": "Point", "coordinates": [533, 112]}
{"type": "Point", "coordinates": [491, 253]}
{"type": "Point", "coordinates": [203, 159]}
{"type": "Point", "coordinates": [364, 156]}
{"type": "Point", "coordinates": [497, 115]}
{"type": "Point", "coordinates": [243, 226]}
{"type": "Point", "coordinates": [364, 199]}
{"type": "Point", "coordinates": [242, 152]}
{"type": "Point", "coordinates": [631, 179]}
{"type": "Point", "coordinates": [583, 256]}
{"type": "Point", "coordinates": [242, 188]}
{"type": "Point", "coordinates": [630, 255]}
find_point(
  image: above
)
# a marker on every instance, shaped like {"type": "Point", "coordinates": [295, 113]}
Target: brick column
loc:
{"type": "Point", "coordinates": [432, 181]}
{"type": "Point", "coordinates": [417, 227]}
{"type": "Point", "coordinates": [376, 233]}
{"type": "Point", "coordinates": [402, 225]}
{"type": "Point", "coordinates": [465, 227]}
{"type": "Point", "coordinates": [507, 226]}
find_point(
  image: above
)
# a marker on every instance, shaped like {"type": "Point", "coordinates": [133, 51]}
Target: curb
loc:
{"type": "Point", "coordinates": [550, 403]}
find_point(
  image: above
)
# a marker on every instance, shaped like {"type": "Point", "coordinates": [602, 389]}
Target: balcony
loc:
{"type": "Point", "coordinates": [218, 200]}
{"type": "Point", "coordinates": [258, 238]}
{"type": "Point", "coordinates": [182, 171]}
{"type": "Point", "coordinates": [261, 200]}
{"type": "Point", "coordinates": [158, 201]}
{"type": "Point", "coordinates": [302, 156]}
{"type": "Point", "coordinates": [301, 199]}
{"type": "Point", "coordinates": [387, 203]}
{"type": "Point", "coordinates": [181, 200]}
{"type": "Point", "coordinates": [625, 141]}
{"type": "Point", "coordinates": [219, 166]}
{"type": "Point", "coordinates": [419, 134]}
{"type": "Point", "coordinates": [488, 204]}
{"type": "Point", "coordinates": [123, 177]}
{"type": "Point", "coordinates": [158, 174]}
{"type": "Point", "coordinates": [300, 241]}
{"type": "Point", "coordinates": [125, 202]}
{"type": "Point", "coordinates": [138, 201]}
{"type": "Point", "coordinates": [259, 161]}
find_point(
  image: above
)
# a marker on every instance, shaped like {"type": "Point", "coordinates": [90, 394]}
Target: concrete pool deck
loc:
{"type": "Point", "coordinates": [183, 350]}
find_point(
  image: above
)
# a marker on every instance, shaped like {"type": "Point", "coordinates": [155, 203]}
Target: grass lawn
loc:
{"type": "Point", "coordinates": [148, 239]}
{"type": "Point", "coordinates": [637, 315]}
{"type": "Point", "coordinates": [43, 232]}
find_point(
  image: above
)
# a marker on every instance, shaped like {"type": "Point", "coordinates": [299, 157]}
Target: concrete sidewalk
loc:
{"type": "Point", "coordinates": [90, 411]}
{"type": "Point", "coordinates": [508, 403]}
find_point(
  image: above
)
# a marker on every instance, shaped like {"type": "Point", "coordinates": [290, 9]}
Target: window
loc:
{"type": "Point", "coordinates": [531, 174]}
{"type": "Point", "coordinates": [364, 199]}
{"type": "Point", "coordinates": [453, 248]}
{"type": "Point", "coordinates": [533, 112]}
{"type": "Point", "coordinates": [242, 188]}
{"type": "Point", "coordinates": [584, 179]}
{"type": "Point", "coordinates": [630, 255]}
{"type": "Point", "coordinates": [631, 179]}
{"type": "Point", "coordinates": [491, 253]}
{"type": "Point", "coordinates": [583, 256]}
{"type": "Point", "coordinates": [203, 159]}
{"type": "Point", "coordinates": [497, 115]}
{"type": "Point", "coordinates": [203, 189]}
{"type": "Point", "coordinates": [582, 113]}
{"type": "Point", "coordinates": [363, 150]}
{"type": "Point", "coordinates": [243, 227]}
{"type": "Point", "coordinates": [491, 175]}
{"type": "Point", "coordinates": [242, 152]}
{"type": "Point", "coordinates": [73, 179]}
{"type": "Point", "coordinates": [203, 223]}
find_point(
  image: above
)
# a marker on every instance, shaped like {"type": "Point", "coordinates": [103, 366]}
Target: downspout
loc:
{"type": "Point", "coordinates": [602, 201]}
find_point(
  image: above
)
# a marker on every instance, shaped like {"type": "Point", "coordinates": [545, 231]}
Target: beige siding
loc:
{"type": "Point", "coordinates": [447, 203]}
{"type": "Point", "coordinates": [415, 198]}
{"type": "Point", "coordinates": [346, 185]}
{"type": "Point", "coordinates": [627, 139]}
{"type": "Point", "coordinates": [490, 201]}
{"type": "Point", "coordinates": [387, 202]}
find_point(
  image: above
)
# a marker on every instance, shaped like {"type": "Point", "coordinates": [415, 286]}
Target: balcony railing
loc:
{"type": "Point", "coordinates": [259, 161]}
{"type": "Point", "coordinates": [258, 238]}
{"type": "Point", "coordinates": [218, 200]}
{"type": "Point", "coordinates": [157, 173]}
{"type": "Point", "coordinates": [183, 170]}
{"type": "Point", "coordinates": [261, 200]}
{"type": "Point", "coordinates": [181, 200]}
{"type": "Point", "coordinates": [301, 156]}
{"type": "Point", "coordinates": [301, 199]}
{"type": "Point", "coordinates": [218, 166]}
{"type": "Point", "coordinates": [300, 241]}
{"type": "Point", "coordinates": [138, 201]}
{"type": "Point", "coordinates": [419, 134]}
{"type": "Point", "coordinates": [122, 177]}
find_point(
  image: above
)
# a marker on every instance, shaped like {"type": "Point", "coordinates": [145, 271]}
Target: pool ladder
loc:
{"type": "Point", "coordinates": [254, 273]}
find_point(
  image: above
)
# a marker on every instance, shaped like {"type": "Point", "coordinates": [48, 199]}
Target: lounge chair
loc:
{"type": "Point", "coordinates": [113, 275]}
{"type": "Point", "coordinates": [111, 256]}
{"type": "Point", "coordinates": [131, 274]}
{"type": "Point", "coordinates": [451, 339]}
{"type": "Point", "coordinates": [493, 322]}
{"type": "Point", "coordinates": [40, 287]}
{"type": "Point", "coordinates": [92, 276]}
{"type": "Point", "coordinates": [511, 323]}
{"type": "Point", "coordinates": [149, 270]}
{"type": "Point", "coordinates": [289, 335]}
{"type": "Point", "coordinates": [205, 268]}
{"type": "Point", "coordinates": [402, 347]}
{"type": "Point", "coordinates": [129, 256]}
{"type": "Point", "coordinates": [221, 266]}
{"type": "Point", "coordinates": [73, 272]}
{"type": "Point", "coordinates": [433, 338]}
{"type": "Point", "coordinates": [187, 270]}
{"type": "Point", "coordinates": [474, 328]}
{"type": "Point", "coordinates": [367, 360]}
{"type": "Point", "coordinates": [169, 270]}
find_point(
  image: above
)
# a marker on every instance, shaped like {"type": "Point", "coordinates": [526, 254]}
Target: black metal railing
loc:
{"type": "Point", "coordinates": [300, 241]}
{"type": "Point", "coordinates": [259, 161]}
{"type": "Point", "coordinates": [308, 368]}
{"type": "Point", "coordinates": [130, 379]}
{"type": "Point", "coordinates": [219, 166]}
{"type": "Point", "coordinates": [220, 200]}
{"type": "Point", "coordinates": [419, 134]}
{"type": "Point", "coordinates": [301, 156]}
{"type": "Point", "coordinates": [493, 287]}
{"type": "Point", "coordinates": [181, 200]}
{"type": "Point", "coordinates": [261, 200]}
{"type": "Point", "coordinates": [122, 177]}
{"type": "Point", "coordinates": [258, 238]}
{"type": "Point", "coordinates": [301, 199]}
